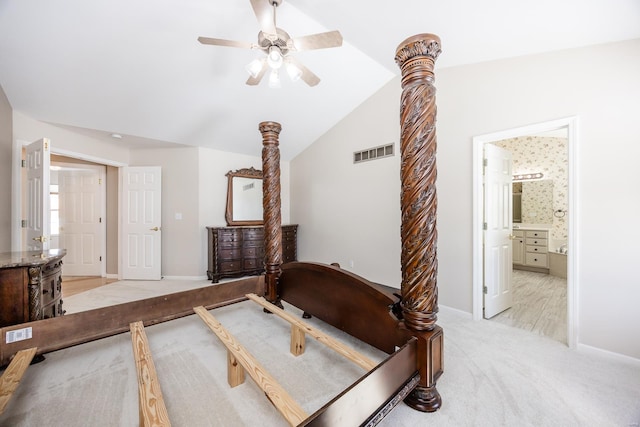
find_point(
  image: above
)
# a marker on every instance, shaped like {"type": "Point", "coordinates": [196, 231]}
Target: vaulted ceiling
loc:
{"type": "Point", "coordinates": [135, 67]}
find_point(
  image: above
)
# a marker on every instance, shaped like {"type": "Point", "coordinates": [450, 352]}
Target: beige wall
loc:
{"type": "Point", "coordinates": [65, 141]}
{"type": "Point", "coordinates": [6, 134]}
{"type": "Point", "coordinates": [112, 221]}
{"type": "Point", "coordinates": [212, 167]}
{"type": "Point", "coordinates": [345, 209]}
{"type": "Point", "coordinates": [180, 237]}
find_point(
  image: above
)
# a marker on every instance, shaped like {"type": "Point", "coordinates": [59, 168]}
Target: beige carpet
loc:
{"type": "Point", "coordinates": [495, 375]}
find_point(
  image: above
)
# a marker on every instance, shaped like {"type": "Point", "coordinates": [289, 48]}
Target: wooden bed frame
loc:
{"type": "Point", "coordinates": [402, 325]}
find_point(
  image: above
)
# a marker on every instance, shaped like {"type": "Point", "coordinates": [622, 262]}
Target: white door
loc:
{"type": "Point", "coordinates": [80, 192]}
{"type": "Point", "coordinates": [37, 161]}
{"type": "Point", "coordinates": [141, 222]}
{"type": "Point", "coordinates": [498, 208]}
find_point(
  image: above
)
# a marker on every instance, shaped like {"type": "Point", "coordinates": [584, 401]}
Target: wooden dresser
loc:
{"type": "Point", "coordinates": [30, 286]}
{"type": "Point", "coordinates": [239, 251]}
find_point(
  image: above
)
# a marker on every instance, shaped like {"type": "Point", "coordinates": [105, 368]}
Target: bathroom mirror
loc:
{"type": "Point", "coordinates": [533, 202]}
{"type": "Point", "coordinates": [244, 197]}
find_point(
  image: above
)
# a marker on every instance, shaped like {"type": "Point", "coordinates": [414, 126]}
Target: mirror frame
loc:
{"type": "Point", "coordinates": [240, 173]}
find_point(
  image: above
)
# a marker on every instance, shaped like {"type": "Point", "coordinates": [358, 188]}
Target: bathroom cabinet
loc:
{"type": "Point", "coordinates": [530, 250]}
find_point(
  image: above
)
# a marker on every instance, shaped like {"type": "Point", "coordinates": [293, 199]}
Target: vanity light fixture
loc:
{"type": "Point", "coordinates": [528, 176]}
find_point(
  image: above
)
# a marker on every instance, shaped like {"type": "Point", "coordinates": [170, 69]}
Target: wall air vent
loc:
{"type": "Point", "coordinates": [373, 153]}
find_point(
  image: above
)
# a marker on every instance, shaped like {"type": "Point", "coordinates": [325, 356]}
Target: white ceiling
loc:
{"type": "Point", "coordinates": [134, 67]}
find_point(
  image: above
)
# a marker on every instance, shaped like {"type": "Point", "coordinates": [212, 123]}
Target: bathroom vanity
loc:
{"type": "Point", "coordinates": [530, 249]}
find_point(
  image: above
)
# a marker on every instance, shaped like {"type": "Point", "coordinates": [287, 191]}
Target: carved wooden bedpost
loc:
{"type": "Point", "coordinates": [271, 208]}
{"type": "Point", "coordinates": [415, 57]}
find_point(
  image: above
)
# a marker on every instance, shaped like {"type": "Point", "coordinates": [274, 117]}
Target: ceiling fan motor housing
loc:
{"type": "Point", "coordinates": [282, 39]}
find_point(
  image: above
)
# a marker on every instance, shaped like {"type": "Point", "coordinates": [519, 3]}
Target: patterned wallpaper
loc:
{"type": "Point", "coordinates": [537, 201]}
{"type": "Point", "coordinates": [547, 155]}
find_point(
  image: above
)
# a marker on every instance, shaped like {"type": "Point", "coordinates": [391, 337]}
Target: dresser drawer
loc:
{"type": "Point", "coordinates": [253, 234]}
{"type": "Point", "coordinates": [253, 252]}
{"type": "Point", "coordinates": [253, 263]}
{"type": "Point", "coordinates": [50, 289]}
{"type": "Point", "coordinates": [228, 254]}
{"type": "Point", "coordinates": [536, 234]}
{"type": "Point", "coordinates": [289, 232]}
{"type": "Point", "coordinates": [229, 237]}
{"type": "Point", "coordinates": [537, 260]}
{"type": "Point", "coordinates": [230, 266]}
{"type": "Point", "coordinates": [49, 311]}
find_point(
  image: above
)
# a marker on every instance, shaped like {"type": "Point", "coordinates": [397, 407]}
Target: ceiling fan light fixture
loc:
{"type": "Point", "coordinates": [274, 79]}
{"type": "Point", "coordinates": [254, 67]}
{"type": "Point", "coordinates": [294, 72]}
{"type": "Point", "coordinates": [274, 58]}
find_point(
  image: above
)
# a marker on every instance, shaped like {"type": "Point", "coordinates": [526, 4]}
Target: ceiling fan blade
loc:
{"type": "Point", "coordinates": [318, 41]}
{"type": "Point", "coordinates": [223, 42]}
{"type": "Point", "coordinates": [307, 75]}
{"type": "Point", "coordinates": [265, 14]}
{"type": "Point", "coordinates": [253, 81]}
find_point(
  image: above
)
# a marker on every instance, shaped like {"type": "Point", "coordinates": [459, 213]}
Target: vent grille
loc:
{"type": "Point", "coordinates": [373, 153]}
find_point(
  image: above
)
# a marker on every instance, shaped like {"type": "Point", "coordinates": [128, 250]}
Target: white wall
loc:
{"type": "Point", "coordinates": [598, 84]}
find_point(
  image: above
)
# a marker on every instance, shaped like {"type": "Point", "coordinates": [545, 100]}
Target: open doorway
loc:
{"type": "Point", "coordinates": [78, 215]}
{"type": "Point", "coordinates": [73, 161]}
{"type": "Point", "coordinates": [553, 240]}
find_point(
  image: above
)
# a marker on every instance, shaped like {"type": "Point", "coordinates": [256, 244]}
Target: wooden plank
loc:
{"type": "Point", "coordinates": [72, 329]}
{"type": "Point", "coordinates": [374, 395]}
{"type": "Point", "coordinates": [13, 374]}
{"type": "Point", "coordinates": [289, 408]}
{"type": "Point", "coordinates": [340, 348]}
{"type": "Point", "coordinates": [153, 411]}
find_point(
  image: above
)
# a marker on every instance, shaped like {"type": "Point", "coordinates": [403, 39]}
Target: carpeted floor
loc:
{"type": "Point", "coordinates": [495, 375]}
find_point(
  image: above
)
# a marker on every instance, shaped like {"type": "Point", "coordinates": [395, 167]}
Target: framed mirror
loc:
{"type": "Point", "coordinates": [244, 197]}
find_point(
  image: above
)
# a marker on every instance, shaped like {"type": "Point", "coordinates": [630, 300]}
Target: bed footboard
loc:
{"type": "Point", "coordinates": [345, 301]}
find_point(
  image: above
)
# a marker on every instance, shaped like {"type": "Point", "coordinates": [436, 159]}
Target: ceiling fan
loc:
{"type": "Point", "coordinates": [278, 45]}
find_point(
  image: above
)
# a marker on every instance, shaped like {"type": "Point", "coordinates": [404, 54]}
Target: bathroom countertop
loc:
{"type": "Point", "coordinates": [531, 227]}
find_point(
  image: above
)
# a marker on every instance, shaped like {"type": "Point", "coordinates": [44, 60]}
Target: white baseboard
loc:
{"type": "Point", "coordinates": [184, 277]}
{"type": "Point", "coordinates": [587, 349]}
{"type": "Point", "coordinates": [455, 311]}
{"type": "Point", "coordinates": [112, 276]}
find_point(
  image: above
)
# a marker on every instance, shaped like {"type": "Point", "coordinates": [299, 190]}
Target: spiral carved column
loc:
{"type": "Point", "coordinates": [271, 208]}
{"type": "Point", "coordinates": [35, 291]}
{"type": "Point", "coordinates": [415, 57]}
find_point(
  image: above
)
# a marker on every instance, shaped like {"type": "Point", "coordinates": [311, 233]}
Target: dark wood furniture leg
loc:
{"type": "Point", "coordinates": [415, 57]}
{"type": "Point", "coordinates": [271, 209]}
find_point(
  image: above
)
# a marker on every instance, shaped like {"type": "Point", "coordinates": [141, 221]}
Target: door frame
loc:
{"type": "Point", "coordinates": [571, 124]}
{"type": "Point", "coordinates": [16, 185]}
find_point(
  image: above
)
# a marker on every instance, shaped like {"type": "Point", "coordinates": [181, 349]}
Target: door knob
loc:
{"type": "Point", "coordinates": [511, 237]}
{"type": "Point", "coordinates": [154, 229]}
{"type": "Point", "coordinates": [41, 239]}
